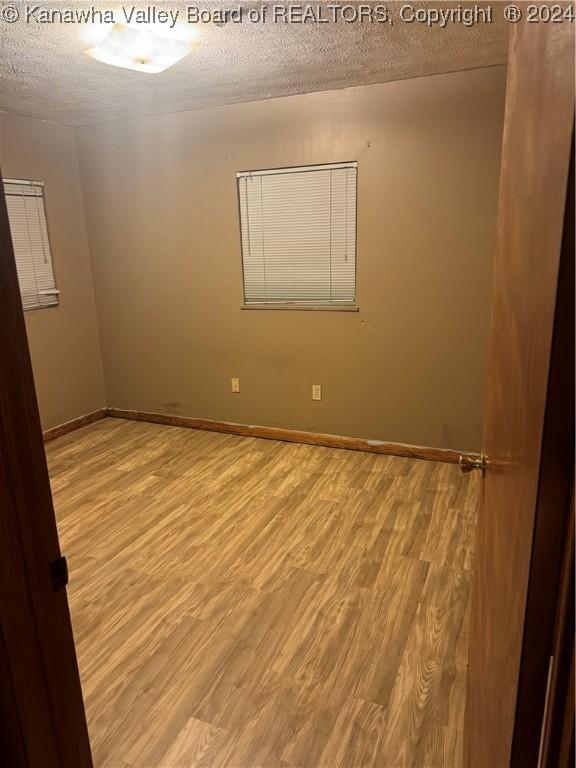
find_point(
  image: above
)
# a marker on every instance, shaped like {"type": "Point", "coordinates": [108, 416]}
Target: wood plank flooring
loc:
{"type": "Point", "coordinates": [249, 603]}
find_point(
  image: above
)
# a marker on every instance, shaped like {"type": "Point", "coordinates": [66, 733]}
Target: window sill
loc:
{"type": "Point", "coordinates": [305, 307]}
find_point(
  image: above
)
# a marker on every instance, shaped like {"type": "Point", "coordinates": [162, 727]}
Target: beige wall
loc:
{"type": "Point", "coordinates": [63, 340]}
{"type": "Point", "coordinates": [160, 196]}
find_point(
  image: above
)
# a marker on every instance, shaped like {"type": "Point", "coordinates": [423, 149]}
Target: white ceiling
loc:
{"type": "Point", "coordinates": [45, 73]}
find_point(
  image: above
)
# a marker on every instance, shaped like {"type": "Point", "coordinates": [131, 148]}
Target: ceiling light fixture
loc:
{"type": "Point", "coordinates": [140, 48]}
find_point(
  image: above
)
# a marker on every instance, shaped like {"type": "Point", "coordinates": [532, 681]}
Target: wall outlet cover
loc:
{"type": "Point", "coordinates": [316, 391]}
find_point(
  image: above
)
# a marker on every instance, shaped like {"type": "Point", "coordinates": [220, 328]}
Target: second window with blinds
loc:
{"type": "Point", "coordinates": [27, 218]}
{"type": "Point", "coordinates": [298, 229]}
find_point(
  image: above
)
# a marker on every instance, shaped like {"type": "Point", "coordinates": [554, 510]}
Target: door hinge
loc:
{"type": "Point", "coordinates": [59, 573]}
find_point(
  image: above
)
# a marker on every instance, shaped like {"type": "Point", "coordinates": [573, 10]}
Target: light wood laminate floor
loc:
{"type": "Point", "coordinates": [246, 602]}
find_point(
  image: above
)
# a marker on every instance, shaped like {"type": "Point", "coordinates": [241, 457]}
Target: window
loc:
{"type": "Point", "coordinates": [27, 217]}
{"type": "Point", "coordinates": [298, 228]}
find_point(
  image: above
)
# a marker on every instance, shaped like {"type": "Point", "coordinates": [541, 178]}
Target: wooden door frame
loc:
{"type": "Point", "coordinates": [42, 719]}
{"type": "Point", "coordinates": [557, 747]}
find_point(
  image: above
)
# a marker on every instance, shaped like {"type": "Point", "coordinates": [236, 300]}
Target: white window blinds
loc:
{"type": "Point", "coordinates": [298, 228]}
{"type": "Point", "coordinates": [27, 217]}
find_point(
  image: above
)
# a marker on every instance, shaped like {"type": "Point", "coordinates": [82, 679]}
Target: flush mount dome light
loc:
{"type": "Point", "coordinates": [140, 48]}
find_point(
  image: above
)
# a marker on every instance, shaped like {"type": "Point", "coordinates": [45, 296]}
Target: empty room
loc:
{"type": "Point", "coordinates": [286, 385]}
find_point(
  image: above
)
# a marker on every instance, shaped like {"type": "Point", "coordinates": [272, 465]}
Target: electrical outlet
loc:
{"type": "Point", "coordinates": [316, 391]}
{"type": "Point", "coordinates": [235, 385]}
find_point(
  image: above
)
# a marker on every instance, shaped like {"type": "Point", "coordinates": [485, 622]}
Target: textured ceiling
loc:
{"type": "Point", "coordinates": [45, 73]}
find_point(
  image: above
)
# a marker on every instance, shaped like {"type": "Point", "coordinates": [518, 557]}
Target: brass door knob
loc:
{"type": "Point", "coordinates": [469, 462]}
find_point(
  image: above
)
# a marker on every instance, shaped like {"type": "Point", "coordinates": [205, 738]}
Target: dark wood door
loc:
{"type": "Point", "coordinates": [535, 166]}
{"type": "Point", "coordinates": [42, 720]}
